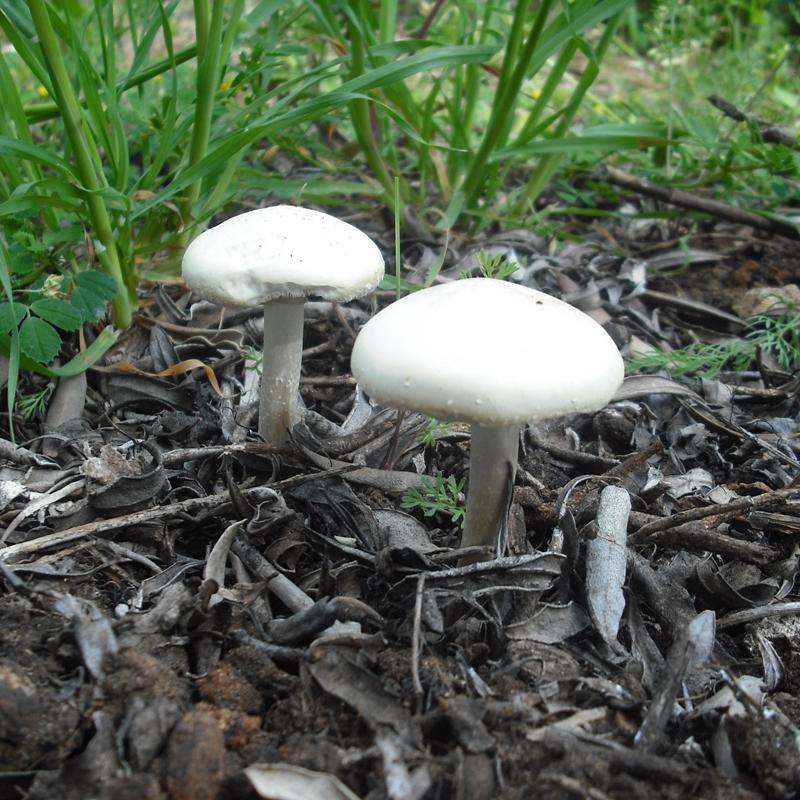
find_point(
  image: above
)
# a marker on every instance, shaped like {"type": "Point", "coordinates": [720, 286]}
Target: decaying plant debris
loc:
{"type": "Point", "coordinates": [187, 613]}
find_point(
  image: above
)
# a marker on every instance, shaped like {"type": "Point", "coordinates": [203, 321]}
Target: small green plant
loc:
{"type": "Point", "coordinates": [440, 496]}
{"type": "Point", "coordinates": [253, 360]}
{"type": "Point", "coordinates": [51, 305]}
{"type": "Point", "coordinates": [432, 430]}
{"type": "Point", "coordinates": [698, 358]}
{"type": "Point", "coordinates": [495, 266]}
{"type": "Point", "coordinates": [35, 404]}
{"type": "Point", "coordinates": [777, 335]}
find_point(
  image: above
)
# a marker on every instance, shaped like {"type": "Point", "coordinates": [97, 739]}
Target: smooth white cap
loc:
{"type": "Point", "coordinates": [282, 251]}
{"type": "Point", "coordinates": [488, 352]}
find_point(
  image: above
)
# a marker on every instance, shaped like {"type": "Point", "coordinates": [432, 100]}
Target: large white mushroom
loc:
{"type": "Point", "coordinates": [278, 256]}
{"type": "Point", "coordinates": [496, 355]}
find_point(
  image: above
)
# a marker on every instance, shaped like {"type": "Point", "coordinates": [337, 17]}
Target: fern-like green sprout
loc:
{"type": "Point", "coordinates": [778, 336]}
{"type": "Point", "coordinates": [495, 266]}
{"type": "Point", "coordinates": [442, 496]}
{"type": "Point", "coordinates": [434, 428]}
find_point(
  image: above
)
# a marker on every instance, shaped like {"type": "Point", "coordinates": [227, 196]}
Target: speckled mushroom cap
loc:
{"type": "Point", "coordinates": [282, 251]}
{"type": "Point", "coordinates": [488, 352]}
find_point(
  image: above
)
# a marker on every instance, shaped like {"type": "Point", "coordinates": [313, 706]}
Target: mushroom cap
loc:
{"type": "Point", "coordinates": [488, 352]}
{"type": "Point", "coordinates": [281, 251]}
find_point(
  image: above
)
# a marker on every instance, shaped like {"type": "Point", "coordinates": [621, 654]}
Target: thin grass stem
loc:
{"type": "Point", "coordinates": [84, 153]}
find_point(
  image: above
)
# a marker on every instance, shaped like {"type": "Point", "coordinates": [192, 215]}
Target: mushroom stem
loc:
{"type": "Point", "coordinates": [492, 467]}
{"type": "Point", "coordinates": [280, 375]}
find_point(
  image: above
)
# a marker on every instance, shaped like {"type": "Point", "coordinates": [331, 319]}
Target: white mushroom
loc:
{"type": "Point", "coordinates": [278, 256]}
{"type": "Point", "coordinates": [496, 355]}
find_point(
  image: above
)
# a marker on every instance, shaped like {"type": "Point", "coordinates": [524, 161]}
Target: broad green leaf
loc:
{"type": "Point", "coordinates": [72, 233]}
{"type": "Point", "coordinates": [98, 283]}
{"type": "Point", "coordinates": [39, 340]}
{"type": "Point", "coordinates": [80, 363]}
{"type": "Point", "coordinates": [20, 259]}
{"type": "Point", "coordinates": [11, 314]}
{"type": "Point", "coordinates": [89, 305]}
{"type": "Point", "coordinates": [58, 312]}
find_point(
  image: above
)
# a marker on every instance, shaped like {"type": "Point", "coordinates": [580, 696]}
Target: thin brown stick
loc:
{"type": "Point", "coordinates": [695, 537]}
{"type": "Point", "coordinates": [755, 614]}
{"type": "Point", "coordinates": [732, 509]}
{"type": "Point", "coordinates": [174, 458]}
{"type": "Point", "coordinates": [415, 641]}
{"type": "Point", "coordinates": [678, 197]}
{"type": "Point", "coordinates": [770, 132]}
{"type": "Point", "coordinates": [100, 526]}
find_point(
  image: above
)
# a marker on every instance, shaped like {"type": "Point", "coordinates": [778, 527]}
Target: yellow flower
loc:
{"type": "Point", "coordinates": [52, 287]}
{"type": "Point", "coordinates": [41, 90]}
{"type": "Point", "coordinates": [225, 85]}
{"type": "Point", "coordinates": [599, 108]}
{"type": "Point", "coordinates": [536, 94]}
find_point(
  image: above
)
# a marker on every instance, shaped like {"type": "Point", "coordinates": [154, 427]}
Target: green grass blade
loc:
{"type": "Point", "coordinates": [85, 153]}
{"type": "Point", "coordinates": [314, 108]}
{"type": "Point", "coordinates": [11, 345]}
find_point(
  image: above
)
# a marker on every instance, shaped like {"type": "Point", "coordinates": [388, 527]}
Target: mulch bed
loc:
{"type": "Point", "coordinates": [186, 613]}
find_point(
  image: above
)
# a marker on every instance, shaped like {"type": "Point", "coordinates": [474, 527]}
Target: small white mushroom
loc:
{"type": "Point", "coordinates": [278, 256]}
{"type": "Point", "coordinates": [496, 355]}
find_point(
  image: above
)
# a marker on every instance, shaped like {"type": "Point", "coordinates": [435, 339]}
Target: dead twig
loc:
{"type": "Point", "coordinates": [678, 197]}
{"type": "Point", "coordinates": [190, 506]}
{"type": "Point", "coordinates": [179, 456]}
{"type": "Point", "coordinates": [755, 614]}
{"type": "Point", "coordinates": [720, 513]}
{"type": "Point", "coordinates": [415, 641]}
{"type": "Point", "coordinates": [293, 597]}
{"type": "Point", "coordinates": [697, 538]}
{"type": "Point", "coordinates": [769, 131]}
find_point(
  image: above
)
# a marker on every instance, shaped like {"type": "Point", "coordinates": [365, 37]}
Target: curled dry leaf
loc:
{"type": "Point", "coordinates": [636, 386]}
{"type": "Point", "coordinates": [125, 367]}
{"type": "Point", "coordinates": [287, 782]}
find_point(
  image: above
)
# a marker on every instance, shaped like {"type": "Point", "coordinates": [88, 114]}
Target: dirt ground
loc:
{"type": "Point", "coordinates": [187, 614]}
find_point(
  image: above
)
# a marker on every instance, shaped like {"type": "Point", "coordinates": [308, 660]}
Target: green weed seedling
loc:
{"type": "Point", "coordinates": [35, 404]}
{"type": "Point", "coordinates": [440, 496]}
{"type": "Point", "coordinates": [778, 336]}
{"type": "Point", "coordinates": [495, 266]}
{"type": "Point", "coordinates": [432, 430]}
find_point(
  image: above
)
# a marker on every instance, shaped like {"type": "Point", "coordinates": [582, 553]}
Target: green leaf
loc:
{"type": "Point", "coordinates": [20, 259]}
{"type": "Point", "coordinates": [89, 305]}
{"type": "Point", "coordinates": [80, 363]}
{"type": "Point", "coordinates": [39, 340]}
{"type": "Point", "coordinates": [58, 312]}
{"type": "Point", "coordinates": [98, 283]}
{"type": "Point", "coordinates": [11, 314]}
{"type": "Point", "coordinates": [32, 152]}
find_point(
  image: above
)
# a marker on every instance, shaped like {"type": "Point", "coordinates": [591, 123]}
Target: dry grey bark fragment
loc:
{"type": "Point", "coordinates": [605, 563]}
